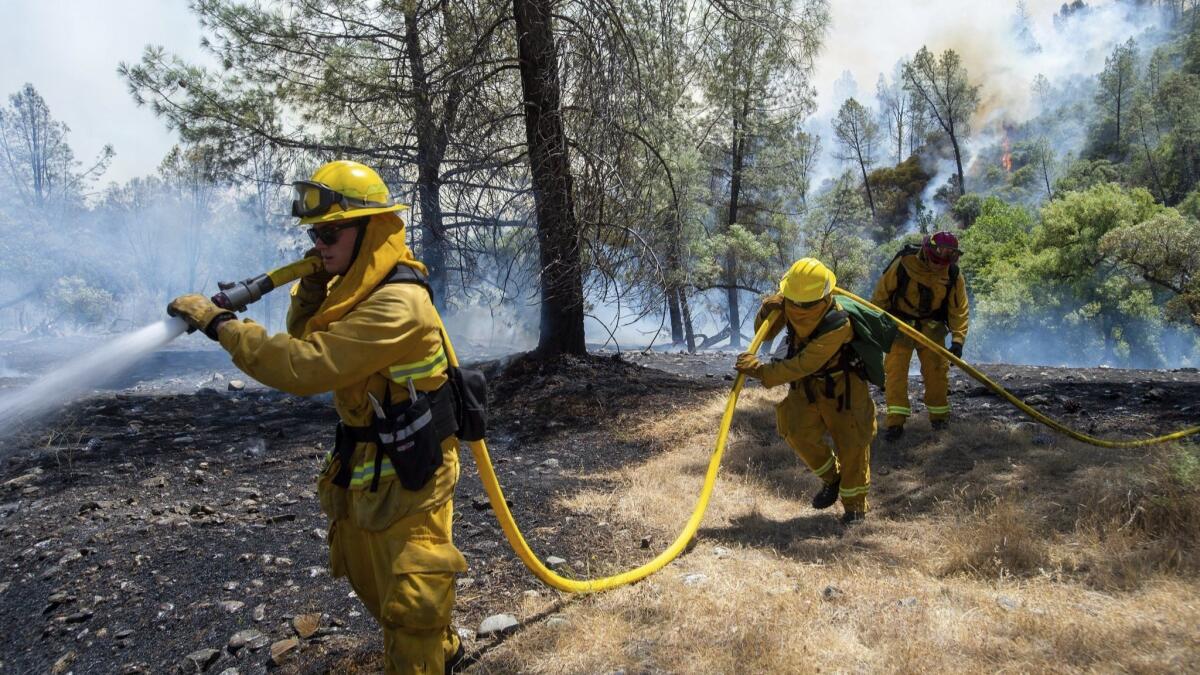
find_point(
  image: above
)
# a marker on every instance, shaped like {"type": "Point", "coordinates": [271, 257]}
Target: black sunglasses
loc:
{"type": "Point", "coordinates": [329, 234]}
{"type": "Point", "coordinates": [807, 305]}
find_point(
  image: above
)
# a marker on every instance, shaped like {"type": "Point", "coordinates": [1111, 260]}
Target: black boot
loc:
{"type": "Point", "coordinates": [940, 425]}
{"type": "Point", "coordinates": [853, 517]}
{"type": "Point", "coordinates": [827, 496]}
{"type": "Point", "coordinates": [892, 434]}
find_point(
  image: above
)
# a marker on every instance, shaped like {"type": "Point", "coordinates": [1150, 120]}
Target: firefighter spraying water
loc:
{"type": "Point", "coordinates": [78, 377]}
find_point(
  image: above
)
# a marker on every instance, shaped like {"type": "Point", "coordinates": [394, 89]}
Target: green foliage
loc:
{"type": "Point", "coordinates": [44, 177]}
{"type": "Point", "coordinates": [968, 209]}
{"type": "Point", "coordinates": [998, 239]}
{"type": "Point", "coordinates": [1165, 250]}
{"type": "Point", "coordinates": [1061, 277]}
{"type": "Point", "coordinates": [1190, 206]}
{"type": "Point", "coordinates": [942, 85]}
{"type": "Point", "coordinates": [1073, 225]}
{"type": "Point", "coordinates": [833, 232]}
{"type": "Point", "coordinates": [1178, 103]}
{"type": "Point", "coordinates": [1114, 96]}
{"type": "Point", "coordinates": [81, 302]}
{"type": "Point", "coordinates": [1084, 174]}
{"type": "Point", "coordinates": [896, 190]}
{"type": "Point", "coordinates": [755, 146]}
{"type": "Point", "coordinates": [858, 135]}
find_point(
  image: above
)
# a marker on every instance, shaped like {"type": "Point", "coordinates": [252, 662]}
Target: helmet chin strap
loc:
{"type": "Point", "coordinates": [359, 231]}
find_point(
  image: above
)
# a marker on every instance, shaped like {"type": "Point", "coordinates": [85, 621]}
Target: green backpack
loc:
{"type": "Point", "coordinates": [873, 336]}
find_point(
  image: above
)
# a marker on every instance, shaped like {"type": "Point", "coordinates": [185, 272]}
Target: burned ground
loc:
{"type": "Point", "coordinates": [146, 528]}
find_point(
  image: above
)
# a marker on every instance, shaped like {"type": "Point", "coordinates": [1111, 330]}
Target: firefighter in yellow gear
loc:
{"type": "Point", "coordinates": [375, 343]}
{"type": "Point", "coordinates": [825, 394]}
{"type": "Point", "coordinates": [923, 286]}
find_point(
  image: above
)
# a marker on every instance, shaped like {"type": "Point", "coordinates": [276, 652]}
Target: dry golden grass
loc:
{"type": "Point", "coordinates": [991, 549]}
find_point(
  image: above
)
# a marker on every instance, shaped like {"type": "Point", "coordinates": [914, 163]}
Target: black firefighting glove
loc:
{"type": "Point", "coordinates": [956, 349]}
{"type": "Point", "coordinates": [200, 313]}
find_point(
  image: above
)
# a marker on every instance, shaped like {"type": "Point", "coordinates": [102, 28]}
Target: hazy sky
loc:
{"type": "Point", "coordinates": [69, 51]}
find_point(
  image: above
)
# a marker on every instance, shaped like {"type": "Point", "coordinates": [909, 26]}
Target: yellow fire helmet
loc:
{"type": "Point", "coordinates": [808, 280]}
{"type": "Point", "coordinates": [341, 190]}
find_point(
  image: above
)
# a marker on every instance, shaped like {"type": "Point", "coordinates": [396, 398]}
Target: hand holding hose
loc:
{"type": "Point", "coordinates": [771, 303]}
{"type": "Point", "coordinates": [200, 313]}
{"type": "Point", "coordinates": [317, 281]}
{"type": "Point", "coordinates": [749, 365]}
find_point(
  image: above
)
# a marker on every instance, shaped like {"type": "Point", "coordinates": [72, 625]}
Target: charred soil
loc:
{"type": "Point", "coordinates": [145, 531]}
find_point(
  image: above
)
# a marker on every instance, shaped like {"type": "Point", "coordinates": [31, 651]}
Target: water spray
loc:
{"type": "Point", "coordinates": [79, 377]}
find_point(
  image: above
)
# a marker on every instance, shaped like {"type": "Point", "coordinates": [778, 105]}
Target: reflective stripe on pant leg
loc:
{"type": "Point", "coordinates": [799, 422]}
{"type": "Point", "coordinates": [852, 430]}
{"type": "Point", "coordinates": [896, 416]}
{"type": "Point", "coordinates": [895, 368]}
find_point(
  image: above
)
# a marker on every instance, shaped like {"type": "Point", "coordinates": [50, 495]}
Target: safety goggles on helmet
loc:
{"type": "Point", "coordinates": [328, 234]}
{"type": "Point", "coordinates": [944, 254]}
{"type": "Point", "coordinates": [315, 199]}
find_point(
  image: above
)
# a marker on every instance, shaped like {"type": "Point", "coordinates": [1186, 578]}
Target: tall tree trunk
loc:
{"type": "Point", "coordinates": [676, 315]}
{"type": "Point", "coordinates": [1120, 90]}
{"type": "Point", "coordinates": [433, 236]}
{"type": "Point", "coordinates": [558, 235]}
{"type": "Point", "coordinates": [731, 296]}
{"type": "Point", "coordinates": [735, 189]}
{"type": "Point", "coordinates": [675, 276]}
{"type": "Point", "coordinates": [1046, 174]}
{"type": "Point", "coordinates": [962, 179]}
{"type": "Point", "coordinates": [1162, 195]}
{"type": "Point", "coordinates": [688, 333]}
{"type": "Point", "coordinates": [867, 185]}
{"type": "Point", "coordinates": [430, 151]}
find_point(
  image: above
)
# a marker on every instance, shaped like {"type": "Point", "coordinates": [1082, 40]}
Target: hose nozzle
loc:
{"type": "Point", "coordinates": [236, 295]}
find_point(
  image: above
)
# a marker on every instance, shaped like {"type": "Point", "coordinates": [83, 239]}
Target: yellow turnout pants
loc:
{"type": "Point", "coordinates": [812, 409]}
{"type": "Point", "coordinates": [935, 371]}
{"type": "Point", "coordinates": [396, 548]}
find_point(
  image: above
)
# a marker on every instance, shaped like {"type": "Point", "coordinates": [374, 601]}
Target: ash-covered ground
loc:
{"type": "Point", "coordinates": [172, 524]}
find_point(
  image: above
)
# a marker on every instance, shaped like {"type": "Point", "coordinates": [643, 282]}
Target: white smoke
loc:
{"type": "Point", "coordinates": [869, 37]}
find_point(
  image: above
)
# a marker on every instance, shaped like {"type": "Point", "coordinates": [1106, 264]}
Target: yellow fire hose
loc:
{"type": "Point", "coordinates": [1008, 396]}
{"type": "Point", "coordinates": [495, 494]}
{"type": "Point", "coordinates": [487, 475]}
{"type": "Point", "coordinates": [512, 533]}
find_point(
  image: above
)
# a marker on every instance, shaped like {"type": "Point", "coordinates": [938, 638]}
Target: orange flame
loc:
{"type": "Point", "coordinates": [1006, 157]}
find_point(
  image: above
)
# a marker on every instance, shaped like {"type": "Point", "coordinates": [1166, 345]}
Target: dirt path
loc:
{"type": "Point", "coordinates": [143, 532]}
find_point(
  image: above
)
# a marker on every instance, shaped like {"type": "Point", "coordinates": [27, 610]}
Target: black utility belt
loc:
{"type": "Point", "coordinates": [409, 434]}
{"type": "Point", "coordinates": [918, 319]}
{"type": "Point", "coordinates": [812, 385]}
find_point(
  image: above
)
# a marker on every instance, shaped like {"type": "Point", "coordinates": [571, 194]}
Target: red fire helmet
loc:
{"type": "Point", "coordinates": [941, 248]}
